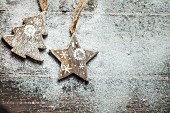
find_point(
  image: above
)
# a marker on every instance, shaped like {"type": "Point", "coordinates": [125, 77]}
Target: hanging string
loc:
{"type": "Point", "coordinates": [43, 4]}
{"type": "Point", "coordinates": [76, 15]}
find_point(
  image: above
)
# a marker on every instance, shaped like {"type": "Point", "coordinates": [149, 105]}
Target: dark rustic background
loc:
{"type": "Point", "coordinates": [130, 74]}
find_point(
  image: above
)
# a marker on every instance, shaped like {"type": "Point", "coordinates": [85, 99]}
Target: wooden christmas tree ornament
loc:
{"type": "Point", "coordinates": [27, 39]}
{"type": "Point", "coordinates": [74, 58]}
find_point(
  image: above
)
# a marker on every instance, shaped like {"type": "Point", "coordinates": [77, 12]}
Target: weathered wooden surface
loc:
{"type": "Point", "coordinates": [130, 74]}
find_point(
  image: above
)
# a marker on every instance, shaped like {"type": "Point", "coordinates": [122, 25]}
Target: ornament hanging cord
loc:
{"type": "Point", "coordinates": [76, 15]}
{"type": "Point", "coordinates": [43, 4]}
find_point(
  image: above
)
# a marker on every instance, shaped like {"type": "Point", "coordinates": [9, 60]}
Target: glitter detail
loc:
{"type": "Point", "coordinates": [79, 54]}
{"type": "Point", "coordinates": [37, 21]}
{"type": "Point", "coordinates": [29, 30]}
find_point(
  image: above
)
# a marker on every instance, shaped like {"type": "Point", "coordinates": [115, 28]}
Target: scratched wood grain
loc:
{"type": "Point", "coordinates": [130, 74]}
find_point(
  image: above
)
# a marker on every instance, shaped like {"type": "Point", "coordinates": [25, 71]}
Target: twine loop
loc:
{"type": "Point", "coordinates": [76, 15]}
{"type": "Point", "coordinates": [43, 4]}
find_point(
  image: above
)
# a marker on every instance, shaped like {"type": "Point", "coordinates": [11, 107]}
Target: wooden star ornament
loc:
{"type": "Point", "coordinates": [73, 59]}
{"type": "Point", "coordinates": [27, 39]}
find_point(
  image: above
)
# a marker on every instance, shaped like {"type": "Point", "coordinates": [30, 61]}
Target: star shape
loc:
{"type": "Point", "coordinates": [27, 39]}
{"type": "Point", "coordinates": [75, 61]}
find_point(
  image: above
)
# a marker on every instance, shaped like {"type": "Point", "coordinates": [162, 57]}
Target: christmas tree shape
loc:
{"type": "Point", "coordinates": [28, 39]}
{"type": "Point", "coordinates": [136, 104]}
